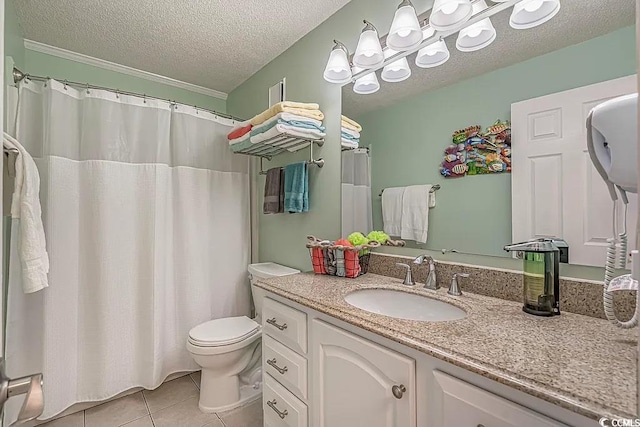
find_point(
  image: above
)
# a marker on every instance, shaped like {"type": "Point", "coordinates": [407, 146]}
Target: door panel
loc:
{"type": "Point", "coordinates": [556, 190]}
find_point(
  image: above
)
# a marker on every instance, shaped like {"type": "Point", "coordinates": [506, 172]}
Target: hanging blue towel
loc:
{"type": "Point", "coordinates": [296, 188]}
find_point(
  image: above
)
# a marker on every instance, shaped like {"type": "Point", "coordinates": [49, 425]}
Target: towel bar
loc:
{"type": "Point", "coordinates": [434, 188]}
{"type": "Point", "coordinates": [318, 162]}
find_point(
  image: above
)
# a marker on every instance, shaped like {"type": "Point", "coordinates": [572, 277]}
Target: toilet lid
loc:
{"type": "Point", "coordinates": [225, 331]}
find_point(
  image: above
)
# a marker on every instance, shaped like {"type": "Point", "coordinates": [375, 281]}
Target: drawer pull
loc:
{"type": "Point", "coordinates": [273, 322]}
{"type": "Point", "coordinates": [398, 391]}
{"type": "Point", "coordinates": [272, 405]}
{"type": "Point", "coordinates": [272, 362]}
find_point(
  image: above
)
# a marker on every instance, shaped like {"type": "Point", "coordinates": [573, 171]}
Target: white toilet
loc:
{"type": "Point", "coordinates": [229, 350]}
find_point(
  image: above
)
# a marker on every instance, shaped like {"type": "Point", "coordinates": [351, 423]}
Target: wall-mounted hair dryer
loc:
{"type": "Point", "coordinates": [612, 140]}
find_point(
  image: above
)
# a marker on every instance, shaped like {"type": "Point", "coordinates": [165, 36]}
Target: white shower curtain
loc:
{"type": "Point", "coordinates": [356, 192]}
{"type": "Point", "coordinates": [146, 215]}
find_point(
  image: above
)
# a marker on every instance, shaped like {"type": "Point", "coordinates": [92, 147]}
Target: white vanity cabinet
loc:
{"type": "Point", "coordinates": [359, 383]}
{"type": "Point", "coordinates": [322, 372]}
{"type": "Point", "coordinates": [458, 403]}
{"type": "Point", "coordinates": [284, 345]}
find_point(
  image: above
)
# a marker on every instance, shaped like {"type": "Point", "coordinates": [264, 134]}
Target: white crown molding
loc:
{"type": "Point", "coordinates": [112, 66]}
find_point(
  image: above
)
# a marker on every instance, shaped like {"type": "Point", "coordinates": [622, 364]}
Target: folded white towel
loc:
{"type": "Point", "coordinates": [392, 210]}
{"type": "Point", "coordinates": [25, 206]}
{"type": "Point", "coordinates": [415, 213]}
{"type": "Point", "coordinates": [353, 133]}
{"type": "Point", "coordinates": [289, 130]}
{"type": "Point", "coordinates": [347, 143]}
{"type": "Point", "coordinates": [290, 117]}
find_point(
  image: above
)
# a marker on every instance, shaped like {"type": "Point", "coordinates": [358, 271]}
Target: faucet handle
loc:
{"type": "Point", "coordinates": [408, 279]}
{"type": "Point", "coordinates": [454, 289]}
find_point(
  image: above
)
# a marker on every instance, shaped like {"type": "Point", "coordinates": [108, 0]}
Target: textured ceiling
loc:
{"type": "Point", "coordinates": [578, 20]}
{"type": "Point", "coordinates": [216, 44]}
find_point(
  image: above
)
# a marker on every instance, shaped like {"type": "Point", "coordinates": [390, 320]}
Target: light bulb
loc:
{"type": "Point", "coordinates": [533, 5]}
{"type": "Point", "coordinates": [474, 32]}
{"type": "Point", "coordinates": [404, 32]}
{"type": "Point", "coordinates": [449, 8]}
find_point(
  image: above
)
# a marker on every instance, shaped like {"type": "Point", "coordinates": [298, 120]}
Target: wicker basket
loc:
{"type": "Point", "coordinates": [342, 261]}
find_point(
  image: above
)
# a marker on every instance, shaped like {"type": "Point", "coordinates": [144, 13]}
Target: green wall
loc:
{"type": "Point", "coordinates": [282, 237]}
{"type": "Point", "coordinates": [42, 64]}
{"type": "Point", "coordinates": [13, 42]}
{"type": "Point", "coordinates": [407, 139]}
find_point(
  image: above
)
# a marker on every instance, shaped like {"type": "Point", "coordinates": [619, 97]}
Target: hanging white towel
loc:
{"type": "Point", "coordinates": [392, 210]}
{"type": "Point", "coordinates": [25, 206]}
{"type": "Point", "coordinates": [415, 213]}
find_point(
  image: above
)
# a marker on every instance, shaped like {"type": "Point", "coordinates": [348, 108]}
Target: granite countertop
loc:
{"type": "Point", "coordinates": [580, 363]}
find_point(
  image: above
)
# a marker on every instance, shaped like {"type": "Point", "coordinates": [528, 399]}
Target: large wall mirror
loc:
{"type": "Point", "coordinates": [544, 81]}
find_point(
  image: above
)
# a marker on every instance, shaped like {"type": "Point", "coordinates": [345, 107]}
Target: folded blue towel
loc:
{"type": "Point", "coordinates": [296, 188]}
{"type": "Point", "coordinates": [348, 136]}
{"type": "Point", "coordinates": [297, 123]}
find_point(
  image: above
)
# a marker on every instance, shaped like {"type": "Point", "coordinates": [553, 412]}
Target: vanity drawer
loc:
{"type": "Point", "coordinates": [280, 407]}
{"type": "Point", "coordinates": [285, 324]}
{"type": "Point", "coordinates": [462, 404]}
{"type": "Point", "coordinates": [285, 365]}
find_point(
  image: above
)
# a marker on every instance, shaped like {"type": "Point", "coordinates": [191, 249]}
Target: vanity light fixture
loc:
{"type": "Point", "coordinates": [434, 54]}
{"type": "Point", "coordinates": [479, 35]}
{"type": "Point", "coordinates": [450, 14]}
{"type": "Point", "coordinates": [338, 69]}
{"type": "Point", "coordinates": [531, 13]}
{"type": "Point", "coordinates": [366, 85]}
{"type": "Point", "coordinates": [469, 18]}
{"type": "Point", "coordinates": [396, 71]}
{"type": "Point", "coordinates": [405, 32]}
{"type": "Point", "coordinates": [369, 51]}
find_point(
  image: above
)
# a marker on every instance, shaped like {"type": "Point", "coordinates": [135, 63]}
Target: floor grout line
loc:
{"type": "Point", "coordinates": [194, 381]}
{"type": "Point", "coordinates": [148, 410]}
{"type": "Point", "coordinates": [221, 420]}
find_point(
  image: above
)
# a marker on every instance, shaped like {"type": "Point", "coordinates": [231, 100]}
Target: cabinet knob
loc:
{"type": "Point", "coordinates": [398, 391]}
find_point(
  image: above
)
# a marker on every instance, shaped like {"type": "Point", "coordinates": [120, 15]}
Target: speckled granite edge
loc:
{"type": "Point", "coordinates": [397, 331]}
{"type": "Point", "coordinates": [576, 296]}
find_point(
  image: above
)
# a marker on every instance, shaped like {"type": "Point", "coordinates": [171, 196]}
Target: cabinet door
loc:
{"type": "Point", "coordinates": [457, 403]}
{"type": "Point", "coordinates": [354, 380]}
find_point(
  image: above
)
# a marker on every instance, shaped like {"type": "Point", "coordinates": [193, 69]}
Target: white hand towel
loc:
{"type": "Point", "coordinates": [25, 206]}
{"type": "Point", "coordinates": [415, 213]}
{"type": "Point", "coordinates": [392, 210]}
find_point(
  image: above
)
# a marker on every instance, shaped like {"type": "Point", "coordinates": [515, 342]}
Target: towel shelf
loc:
{"type": "Point", "coordinates": [279, 144]}
{"type": "Point", "coordinates": [434, 188]}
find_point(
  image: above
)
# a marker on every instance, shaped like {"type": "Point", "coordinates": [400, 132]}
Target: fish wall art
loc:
{"type": "Point", "coordinates": [478, 153]}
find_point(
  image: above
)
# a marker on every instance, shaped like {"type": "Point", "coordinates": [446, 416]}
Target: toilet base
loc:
{"type": "Point", "coordinates": [248, 394]}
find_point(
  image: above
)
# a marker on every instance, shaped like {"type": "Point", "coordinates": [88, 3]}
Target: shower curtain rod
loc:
{"type": "Point", "coordinates": [19, 76]}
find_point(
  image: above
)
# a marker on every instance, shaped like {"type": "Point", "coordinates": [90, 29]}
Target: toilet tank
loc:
{"type": "Point", "coordinates": [265, 270]}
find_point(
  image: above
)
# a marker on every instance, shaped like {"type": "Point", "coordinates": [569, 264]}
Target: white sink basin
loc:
{"type": "Point", "coordinates": [403, 305]}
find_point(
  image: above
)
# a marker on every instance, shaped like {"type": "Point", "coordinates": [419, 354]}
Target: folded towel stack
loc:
{"type": "Point", "coordinates": [350, 133]}
{"type": "Point", "coordinates": [301, 120]}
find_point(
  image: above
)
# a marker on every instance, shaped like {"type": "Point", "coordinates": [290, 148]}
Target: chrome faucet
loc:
{"type": "Point", "coordinates": [431, 282]}
{"type": "Point", "coordinates": [454, 289]}
{"type": "Point", "coordinates": [408, 279]}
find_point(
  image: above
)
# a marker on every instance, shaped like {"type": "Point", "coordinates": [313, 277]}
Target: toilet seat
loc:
{"type": "Point", "coordinates": [223, 335]}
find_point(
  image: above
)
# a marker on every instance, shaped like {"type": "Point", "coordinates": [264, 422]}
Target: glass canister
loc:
{"type": "Point", "coordinates": [541, 276]}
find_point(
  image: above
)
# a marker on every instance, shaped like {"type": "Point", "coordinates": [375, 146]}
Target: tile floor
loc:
{"type": "Point", "coordinates": [173, 404]}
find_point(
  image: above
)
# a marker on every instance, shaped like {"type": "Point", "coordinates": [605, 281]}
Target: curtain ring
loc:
{"type": "Point", "coordinates": [118, 93]}
{"type": "Point", "coordinates": [65, 84]}
{"type": "Point", "coordinates": [195, 107]}
{"type": "Point", "coordinates": [88, 89]}
{"type": "Point", "coordinates": [144, 98]}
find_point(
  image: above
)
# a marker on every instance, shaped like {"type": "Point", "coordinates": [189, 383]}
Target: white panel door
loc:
{"type": "Point", "coordinates": [353, 381]}
{"type": "Point", "coordinates": [556, 190]}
